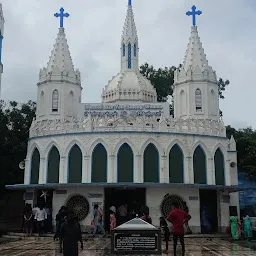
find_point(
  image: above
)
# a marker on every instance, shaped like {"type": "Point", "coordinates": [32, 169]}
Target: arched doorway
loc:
{"type": "Point", "coordinates": [75, 165]}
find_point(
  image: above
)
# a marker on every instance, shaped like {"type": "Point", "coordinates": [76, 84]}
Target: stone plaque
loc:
{"type": "Point", "coordinates": [95, 195]}
{"type": "Point", "coordinates": [136, 237]}
{"type": "Point", "coordinates": [28, 196]}
{"type": "Point", "coordinates": [61, 192]}
{"type": "Point", "coordinates": [193, 198]}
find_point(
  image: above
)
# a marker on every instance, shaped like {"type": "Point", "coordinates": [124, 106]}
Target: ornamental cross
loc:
{"type": "Point", "coordinates": [194, 13]}
{"type": "Point", "coordinates": [61, 15]}
{"type": "Point", "coordinates": [44, 195]}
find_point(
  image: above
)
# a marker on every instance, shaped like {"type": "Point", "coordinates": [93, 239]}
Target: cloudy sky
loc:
{"type": "Point", "coordinates": [227, 30]}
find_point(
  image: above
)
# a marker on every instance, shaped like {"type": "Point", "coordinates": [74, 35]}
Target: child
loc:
{"type": "Point", "coordinates": [112, 217]}
{"type": "Point", "coordinates": [166, 231]}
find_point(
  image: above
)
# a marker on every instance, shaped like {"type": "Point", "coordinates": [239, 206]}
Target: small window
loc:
{"type": "Point", "coordinates": [123, 50]}
{"type": "Point", "coordinates": [55, 101]}
{"type": "Point", "coordinates": [135, 50]}
{"type": "Point", "coordinates": [198, 100]}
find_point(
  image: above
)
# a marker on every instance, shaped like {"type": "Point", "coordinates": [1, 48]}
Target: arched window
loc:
{"type": "Point", "coordinates": [219, 168]}
{"type": "Point", "coordinates": [176, 165]}
{"type": "Point", "coordinates": [99, 164]}
{"type": "Point", "coordinates": [53, 166]}
{"type": "Point", "coordinates": [212, 103]}
{"type": "Point", "coordinates": [42, 104]}
{"type": "Point", "coordinates": [125, 164]}
{"type": "Point", "coordinates": [199, 165]}
{"type": "Point", "coordinates": [75, 165]}
{"type": "Point", "coordinates": [135, 50]}
{"type": "Point", "coordinates": [151, 164]}
{"type": "Point", "coordinates": [35, 165]}
{"type": "Point", "coordinates": [123, 50]}
{"type": "Point", "coordinates": [71, 103]}
{"type": "Point", "coordinates": [198, 100]}
{"type": "Point", "coordinates": [55, 101]}
{"type": "Point", "coordinates": [129, 56]}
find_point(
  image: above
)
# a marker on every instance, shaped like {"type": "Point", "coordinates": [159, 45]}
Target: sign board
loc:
{"type": "Point", "coordinates": [28, 196]}
{"type": "Point", "coordinates": [123, 110]}
{"type": "Point", "coordinates": [136, 237]}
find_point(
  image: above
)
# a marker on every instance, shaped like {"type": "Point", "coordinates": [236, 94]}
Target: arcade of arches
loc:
{"type": "Point", "coordinates": [125, 165]}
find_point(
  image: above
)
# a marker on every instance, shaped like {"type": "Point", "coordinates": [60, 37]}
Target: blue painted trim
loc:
{"type": "Point", "coordinates": [123, 184]}
{"type": "Point", "coordinates": [135, 132]}
{"type": "Point", "coordinates": [129, 56]}
{"type": "Point", "coordinates": [1, 44]}
{"type": "Point", "coordinates": [92, 162]}
{"type": "Point", "coordinates": [116, 167]}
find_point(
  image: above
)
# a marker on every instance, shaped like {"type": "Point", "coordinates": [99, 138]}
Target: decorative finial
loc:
{"type": "Point", "coordinates": [61, 15]}
{"type": "Point", "coordinates": [129, 2]}
{"type": "Point", "coordinates": [194, 13]}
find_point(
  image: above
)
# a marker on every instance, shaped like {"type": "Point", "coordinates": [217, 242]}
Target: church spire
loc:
{"type": "Point", "coordinates": [129, 42]}
{"type": "Point", "coordinates": [60, 64]}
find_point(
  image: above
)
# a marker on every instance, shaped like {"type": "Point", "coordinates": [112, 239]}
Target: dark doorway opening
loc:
{"type": "Point", "coordinates": [208, 211]}
{"type": "Point", "coordinates": [133, 197]}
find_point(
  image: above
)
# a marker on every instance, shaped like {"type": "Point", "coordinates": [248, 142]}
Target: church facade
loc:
{"type": "Point", "coordinates": [128, 147]}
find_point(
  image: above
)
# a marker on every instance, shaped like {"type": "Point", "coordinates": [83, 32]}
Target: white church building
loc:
{"type": "Point", "coordinates": [128, 147]}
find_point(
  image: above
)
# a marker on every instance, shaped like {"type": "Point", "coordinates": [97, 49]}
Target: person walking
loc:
{"type": "Point", "coordinates": [98, 220]}
{"type": "Point", "coordinates": [234, 227]}
{"type": "Point", "coordinates": [247, 227]}
{"type": "Point", "coordinates": [178, 217]}
{"type": "Point", "coordinates": [70, 235]}
{"type": "Point", "coordinates": [40, 217]}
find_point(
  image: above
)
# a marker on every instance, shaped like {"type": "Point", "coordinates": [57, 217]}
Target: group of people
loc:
{"type": "Point", "coordinates": [38, 219]}
{"type": "Point", "coordinates": [241, 228]}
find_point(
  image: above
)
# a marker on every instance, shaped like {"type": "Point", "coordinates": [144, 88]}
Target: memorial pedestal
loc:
{"type": "Point", "coordinates": [136, 237]}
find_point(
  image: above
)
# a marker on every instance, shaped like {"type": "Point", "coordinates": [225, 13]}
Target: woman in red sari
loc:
{"type": "Point", "coordinates": [112, 217]}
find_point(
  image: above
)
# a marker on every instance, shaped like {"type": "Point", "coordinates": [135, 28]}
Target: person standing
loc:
{"type": "Point", "coordinates": [40, 217]}
{"type": "Point", "coordinates": [166, 232]}
{"type": "Point", "coordinates": [112, 217]}
{"type": "Point", "coordinates": [122, 212]}
{"type": "Point", "coordinates": [28, 219]}
{"type": "Point", "coordinates": [234, 227]}
{"type": "Point", "coordinates": [70, 235]}
{"type": "Point", "coordinates": [247, 227]}
{"type": "Point", "coordinates": [178, 217]}
{"type": "Point", "coordinates": [98, 220]}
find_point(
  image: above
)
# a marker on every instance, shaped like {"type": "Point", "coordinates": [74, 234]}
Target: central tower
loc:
{"type": "Point", "coordinates": [129, 85]}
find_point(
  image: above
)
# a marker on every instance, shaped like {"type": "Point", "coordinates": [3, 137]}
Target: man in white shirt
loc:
{"type": "Point", "coordinates": [40, 217]}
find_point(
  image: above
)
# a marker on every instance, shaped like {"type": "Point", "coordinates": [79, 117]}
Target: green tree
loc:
{"type": "Point", "coordinates": [163, 78]}
{"type": "Point", "coordinates": [15, 121]}
{"type": "Point", "coordinates": [246, 149]}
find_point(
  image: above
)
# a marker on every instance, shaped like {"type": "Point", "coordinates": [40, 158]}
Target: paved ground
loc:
{"type": "Point", "coordinates": [100, 247]}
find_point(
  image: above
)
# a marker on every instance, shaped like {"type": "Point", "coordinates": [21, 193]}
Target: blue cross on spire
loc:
{"type": "Point", "coordinates": [61, 15]}
{"type": "Point", "coordinates": [129, 2]}
{"type": "Point", "coordinates": [194, 13]}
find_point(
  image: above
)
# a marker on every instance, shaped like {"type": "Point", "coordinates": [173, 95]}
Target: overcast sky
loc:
{"type": "Point", "coordinates": [226, 28]}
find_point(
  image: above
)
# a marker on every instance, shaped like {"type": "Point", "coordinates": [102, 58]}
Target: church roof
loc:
{"type": "Point", "coordinates": [129, 84]}
{"type": "Point", "coordinates": [195, 65]}
{"type": "Point", "coordinates": [129, 29]}
{"type": "Point", "coordinates": [60, 63]}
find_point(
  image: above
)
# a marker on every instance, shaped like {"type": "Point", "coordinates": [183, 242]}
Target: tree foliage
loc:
{"type": "Point", "coordinates": [15, 121]}
{"type": "Point", "coordinates": [246, 149]}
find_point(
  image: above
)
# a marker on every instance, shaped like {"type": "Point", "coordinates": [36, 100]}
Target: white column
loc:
{"type": "Point", "coordinates": [112, 170]}
{"type": "Point", "coordinates": [187, 170]}
{"type": "Point", "coordinates": [162, 178]}
{"type": "Point", "coordinates": [210, 171]}
{"type": "Point", "coordinates": [63, 170]}
{"type": "Point", "coordinates": [42, 171]}
{"type": "Point", "coordinates": [190, 170]}
{"type": "Point", "coordinates": [228, 174]}
{"type": "Point", "coordinates": [138, 171]}
{"type": "Point", "coordinates": [86, 173]}
{"type": "Point", "coordinates": [27, 171]}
